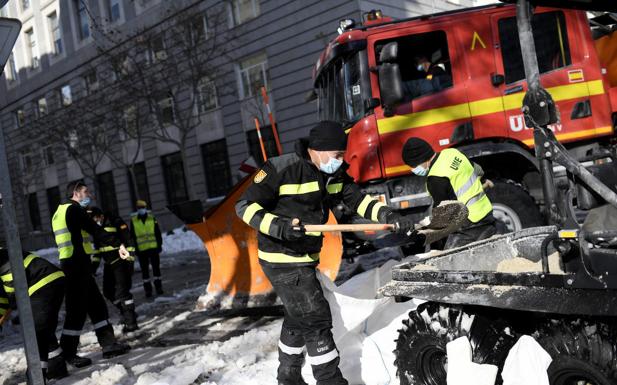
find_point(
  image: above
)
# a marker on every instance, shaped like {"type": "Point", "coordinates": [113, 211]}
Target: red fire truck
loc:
{"type": "Point", "coordinates": [370, 78]}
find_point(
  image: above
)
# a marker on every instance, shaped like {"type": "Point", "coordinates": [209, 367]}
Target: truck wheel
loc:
{"type": "Point", "coordinates": [513, 208]}
{"type": "Point", "coordinates": [583, 353]}
{"type": "Point", "coordinates": [420, 353]}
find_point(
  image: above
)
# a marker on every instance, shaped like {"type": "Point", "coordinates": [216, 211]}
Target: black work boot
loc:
{"type": "Point", "coordinates": [115, 349]}
{"type": "Point", "coordinates": [158, 285]}
{"type": "Point", "coordinates": [129, 318]}
{"type": "Point", "coordinates": [77, 361]}
{"type": "Point", "coordinates": [291, 375]}
{"type": "Point", "coordinates": [56, 368]}
{"type": "Point", "coordinates": [148, 289]}
{"type": "Point", "coordinates": [107, 340]}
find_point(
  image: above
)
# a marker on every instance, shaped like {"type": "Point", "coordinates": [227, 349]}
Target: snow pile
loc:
{"type": "Point", "coordinates": [181, 239]}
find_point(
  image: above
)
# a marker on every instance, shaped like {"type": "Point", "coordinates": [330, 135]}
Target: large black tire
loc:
{"type": "Point", "coordinates": [420, 355]}
{"type": "Point", "coordinates": [582, 352]}
{"type": "Point", "coordinates": [513, 207]}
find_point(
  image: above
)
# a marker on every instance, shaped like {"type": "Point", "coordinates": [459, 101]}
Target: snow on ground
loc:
{"type": "Point", "coordinates": [181, 239]}
{"type": "Point", "coordinates": [177, 346]}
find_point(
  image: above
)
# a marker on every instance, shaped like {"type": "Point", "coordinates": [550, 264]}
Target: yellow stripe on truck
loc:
{"type": "Point", "coordinates": [483, 107]}
{"type": "Point", "coordinates": [578, 134]}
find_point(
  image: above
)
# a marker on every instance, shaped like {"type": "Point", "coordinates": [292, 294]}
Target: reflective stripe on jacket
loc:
{"type": "Point", "coordinates": [452, 164]}
{"type": "Point", "coordinates": [39, 273]}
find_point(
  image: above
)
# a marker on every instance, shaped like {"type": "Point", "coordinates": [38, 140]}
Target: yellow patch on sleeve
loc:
{"type": "Point", "coordinates": [260, 176]}
{"type": "Point", "coordinates": [123, 227]}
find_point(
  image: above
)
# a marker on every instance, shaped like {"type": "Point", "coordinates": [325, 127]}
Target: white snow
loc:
{"type": "Point", "coordinates": [182, 239]}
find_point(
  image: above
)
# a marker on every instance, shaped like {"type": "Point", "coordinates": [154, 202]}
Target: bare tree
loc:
{"type": "Point", "coordinates": [169, 73]}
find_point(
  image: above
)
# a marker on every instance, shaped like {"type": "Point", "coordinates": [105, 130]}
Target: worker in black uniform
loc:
{"type": "Point", "coordinates": [46, 286]}
{"type": "Point", "coordinates": [451, 176]}
{"type": "Point", "coordinates": [148, 243]}
{"type": "Point", "coordinates": [73, 228]}
{"type": "Point", "coordinates": [300, 188]}
{"type": "Point", "coordinates": [117, 272]}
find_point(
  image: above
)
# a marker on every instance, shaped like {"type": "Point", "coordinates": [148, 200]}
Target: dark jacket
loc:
{"type": "Point", "coordinates": [291, 186]}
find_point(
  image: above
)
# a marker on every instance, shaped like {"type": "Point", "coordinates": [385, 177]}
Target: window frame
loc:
{"type": "Point", "coordinates": [217, 183]}
{"type": "Point", "coordinates": [53, 41]}
{"type": "Point", "coordinates": [47, 152]}
{"type": "Point", "coordinates": [31, 49]}
{"type": "Point", "coordinates": [205, 107]}
{"type": "Point", "coordinates": [42, 108]}
{"type": "Point", "coordinates": [255, 11]}
{"type": "Point", "coordinates": [264, 70]}
{"type": "Point", "coordinates": [162, 109]}
{"type": "Point", "coordinates": [63, 98]}
{"type": "Point", "coordinates": [34, 213]}
{"type": "Point", "coordinates": [166, 163]}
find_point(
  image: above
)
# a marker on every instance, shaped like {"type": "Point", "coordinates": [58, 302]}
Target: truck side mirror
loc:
{"type": "Point", "coordinates": [390, 80]}
{"type": "Point", "coordinates": [390, 86]}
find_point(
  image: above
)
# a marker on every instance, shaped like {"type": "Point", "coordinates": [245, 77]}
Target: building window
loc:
{"type": "Point", "coordinates": [56, 33]}
{"type": "Point", "coordinates": [157, 49]}
{"type": "Point", "coordinates": [35, 214]}
{"type": "Point", "coordinates": [106, 195]}
{"type": "Point", "coordinates": [253, 75]}
{"type": "Point", "coordinates": [207, 95]}
{"type": "Point", "coordinates": [82, 19]}
{"type": "Point", "coordinates": [198, 28]}
{"type": "Point", "coordinates": [27, 161]}
{"type": "Point", "coordinates": [113, 10]}
{"type": "Point", "coordinates": [216, 167]}
{"type": "Point", "coordinates": [166, 110]}
{"type": "Point", "coordinates": [11, 69]}
{"type": "Point", "coordinates": [244, 10]}
{"type": "Point", "coordinates": [25, 5]}
{"type": "Point", "coordinates": [141, 180]}
{"type": "Point", "coordinates": [47, 154]}
{"type": "Point", "coordinates": [20, 117]}
{"type": "Point", "coordinates": [175, 184]}
{"type": "Point", "coordinates": [42, 107]}
{"type": "Point", "coordinates": [130, 121]}
{"type": "Point", "coordinates": [549, 32]}
{"type": "Point", "coordinates": [53, 199]}
{"type": "Point", "coordinates": [255, 146]}
{"type": "Point", "coordinates": [92, 81]}
{"type": "Point", "coordinates": [31, 50]}
{"type": "Point", "coordinates": [66, 96]}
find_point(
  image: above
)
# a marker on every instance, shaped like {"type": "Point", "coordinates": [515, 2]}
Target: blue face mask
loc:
{"type": "Point", "coordinates": [332, 165]}
{"type": "Point", "coordinates": [85, 202]}
{"type": "Point", "coordinates": [420, 171]}
{"type": "Point", "coordinates": [142, 211]}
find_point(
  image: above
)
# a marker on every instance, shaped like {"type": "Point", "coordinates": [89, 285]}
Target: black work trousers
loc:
{"type": "Point", "coordinates": [307, 323]}
{"type": "Point", "coordinates": [46, 303]}
{"type": "Point", "coordinates": [117, 278]}
{"type": "Point", "coordinates": [150, 258]}
{"type": "Point", "coordinates": [471, 232]}
{"type": "Point", "coordinates": [83, 298]}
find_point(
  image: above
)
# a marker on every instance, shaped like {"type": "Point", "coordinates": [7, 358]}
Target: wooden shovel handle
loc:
{"type": "Point", "coordinates": [355, 227]}
{"type": "Point", "coordinates": [5, 316]}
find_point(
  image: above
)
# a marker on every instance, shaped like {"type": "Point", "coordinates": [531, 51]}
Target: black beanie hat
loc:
{"type": "Point", "coordinates": [328, 136]}
{"type": "Point", "coordinates": [416, 151]}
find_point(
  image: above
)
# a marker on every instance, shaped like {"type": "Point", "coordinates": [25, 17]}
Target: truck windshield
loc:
{"type": "Point", "coordinates": [339, 91]}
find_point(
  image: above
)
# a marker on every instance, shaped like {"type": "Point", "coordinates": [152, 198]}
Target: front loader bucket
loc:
{"type": "Point", "coordinates": [236, 279]}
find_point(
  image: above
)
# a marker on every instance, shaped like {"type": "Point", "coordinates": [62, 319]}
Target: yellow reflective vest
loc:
{"type": "Point", "coordinates": [145, 235]}
{"type": "Point", "coordinates": [63, 236]}
{"type": "Point", "coordinates": [454, 165]}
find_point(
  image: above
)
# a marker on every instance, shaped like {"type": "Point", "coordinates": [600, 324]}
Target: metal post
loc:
{"type": "Point", "coordinates": [28, 333]}
{"type": "Point", "coordinates": [528, 46]}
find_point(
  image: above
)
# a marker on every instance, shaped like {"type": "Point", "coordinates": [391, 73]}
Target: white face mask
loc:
{"type": "Point", "coordinates": [420, 170]}
{"type": "Point", "coordinates": [331, 166]}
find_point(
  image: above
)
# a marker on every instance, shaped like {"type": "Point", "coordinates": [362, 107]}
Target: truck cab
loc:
{"type": "Point", "coordinates": [457, 79]}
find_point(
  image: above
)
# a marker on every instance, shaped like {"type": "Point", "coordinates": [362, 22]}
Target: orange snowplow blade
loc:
{"type": "Point", "coordinates": [606, 47]}
{"type": "Point", "coordinates": [236, 278]}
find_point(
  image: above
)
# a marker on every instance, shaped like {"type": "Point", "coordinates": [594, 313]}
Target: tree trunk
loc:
{"type": "Point", "coordinates": [187, 176]}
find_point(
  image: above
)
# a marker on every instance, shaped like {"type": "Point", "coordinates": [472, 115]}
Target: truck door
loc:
{"type": "Point", "coordinates": [567, 69]}
{"type": "Point", "coordinates": [435, 100]}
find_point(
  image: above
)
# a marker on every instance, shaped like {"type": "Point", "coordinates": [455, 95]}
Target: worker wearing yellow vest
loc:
{"type": "Point", "coordinates": [148, 243]}
{"type": "Point", "coordinates": [451, 176]}
{"type": "Point", "coordinates": [117, 272]}
{"type": "Point", "coordinates": [46, 286]}
{"type": "Point", "coordinates": [73, 229]}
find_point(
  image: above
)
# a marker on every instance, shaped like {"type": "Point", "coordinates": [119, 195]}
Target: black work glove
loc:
{"type": "Point", "coordinates": [292, 232]}
{"type": "Point", "coordinates": [402, 224]}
